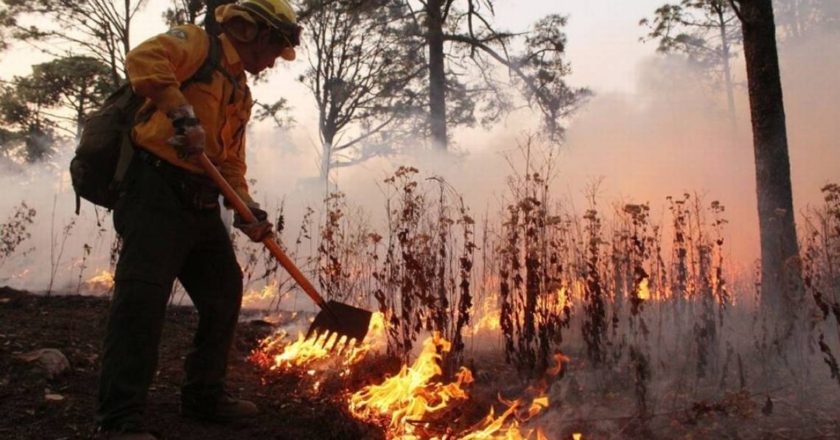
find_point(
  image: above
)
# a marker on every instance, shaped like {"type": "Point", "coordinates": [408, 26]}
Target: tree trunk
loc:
{"type": "Point", "coordinates": [727, 69]}
{"type": "Point", "coordinates": [775, 201]}
{"type": "Point", "coordinates": [437, 76]}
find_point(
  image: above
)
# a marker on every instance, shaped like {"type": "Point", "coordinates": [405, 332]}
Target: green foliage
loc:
{"type": "Point", "coordinates": [544, 67]}
{"type": "Point", "coordinates": [28, 134]}
{"type": "Point", "coordinates": [96, 28]}
{"type": "Point", "coordinates": [701, 29]}
{"type": "Point", "coordinates": [360, 69]}
{"type": "Point", "coordinates": [33, 109]}
{"type": "Point", "coordinates": [79, 83]}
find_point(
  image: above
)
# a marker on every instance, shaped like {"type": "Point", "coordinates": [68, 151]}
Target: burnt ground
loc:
{"type": "Point", "coordinates": [76, 324]}
{"type": "Point", "coordinates": [35, 407]}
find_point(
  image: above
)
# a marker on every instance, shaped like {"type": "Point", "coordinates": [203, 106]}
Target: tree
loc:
{"type": "Point", "coordinates": [779, 248]}
{"type": "Point", "coordinates": [77, 83]}
{"type": "Point", "coordinates": [34, 109]}
{"type": "Point", "coordinates": [459, 36]}
{"type": "Point", "coordinates": [27, 133]}
{"type": "Point", "coordinates": [183, 12]}
{"type": "Point", "coordinates": [705, 31]}
{"type": "Point", "coordinates": [99, 28]}
{"type": "Point", "coordinates": [359, 72]}
{"type": "Point", "coordinates": [798, 19]}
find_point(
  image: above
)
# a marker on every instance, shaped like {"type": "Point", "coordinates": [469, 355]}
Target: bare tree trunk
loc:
{"type": "Point", "coordinates": [779, 247]}
{"type": "Point", "coordinates": [437, 75]}
{"type": "Point", "coordinates": [727, 68]}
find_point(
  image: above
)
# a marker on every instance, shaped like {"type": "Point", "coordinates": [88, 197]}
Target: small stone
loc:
{"type": "Point", "coordinates": [51, 360]}
{"type": "Point", "coordinates": [54, 397]}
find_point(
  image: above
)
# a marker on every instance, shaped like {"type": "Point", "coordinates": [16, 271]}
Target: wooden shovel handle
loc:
{"type": "Point", "coordinates": [269, 242]}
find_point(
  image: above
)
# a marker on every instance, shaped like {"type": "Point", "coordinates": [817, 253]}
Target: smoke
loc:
{"type": "Point", "coordinates": [671, 135]}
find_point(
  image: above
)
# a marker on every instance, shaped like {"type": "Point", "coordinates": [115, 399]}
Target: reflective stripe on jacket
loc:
{"type": "Point", "coordinates": [156, 69]}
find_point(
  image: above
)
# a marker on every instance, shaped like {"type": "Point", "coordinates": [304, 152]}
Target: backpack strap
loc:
{"type": "Point", "coordinates": [204, 74]}
{"type": "Point", "coordinates": [211, 63]}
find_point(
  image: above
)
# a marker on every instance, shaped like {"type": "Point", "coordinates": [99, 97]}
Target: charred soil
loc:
{"type": "Point", "coordinates": [37, 407]}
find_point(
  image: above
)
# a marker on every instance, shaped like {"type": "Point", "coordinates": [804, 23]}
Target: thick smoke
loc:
{"type": "Point", "coordinates": [670, 136]}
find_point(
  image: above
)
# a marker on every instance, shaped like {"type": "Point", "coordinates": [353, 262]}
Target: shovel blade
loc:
{"type": "Point", "coordinates": [343, 319]}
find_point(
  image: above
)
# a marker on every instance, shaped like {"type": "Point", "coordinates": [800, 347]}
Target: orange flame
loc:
{"type": "Point", "coordinates": [644, 290]}
{"type": "Point", "coordinates": [277, 353]}
{"type": "Point", "coordinates": [259, 297]}
{"type": "Point", "coordinates": [102, 281]}
{"type": "Point", "coordinates": [411, 395]}
{"type": "Point", "coordinates": [490, 317]}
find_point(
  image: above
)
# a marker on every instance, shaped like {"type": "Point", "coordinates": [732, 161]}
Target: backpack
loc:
{"type": "Point", "coordinates": [105, 148]}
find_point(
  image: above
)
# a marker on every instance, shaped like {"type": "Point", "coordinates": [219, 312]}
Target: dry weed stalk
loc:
{"type": "Point", "coordinates": [426, 273]}
{"type": "Point", "coordinates": [15, 230]}
{"type": "Point", "coordinates": [533, 310]}
{"type": "Point", "coordinates": [821, 275]}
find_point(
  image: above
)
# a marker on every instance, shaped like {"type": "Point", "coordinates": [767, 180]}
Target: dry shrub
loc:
{"type": "Point", "coordinates": [15, 231]}
{"type": "Point", "coordinates": [821, 271]}
{"type": "Point", "coordinates": [533, 310]}
{"type": "Point", "coordinates": [424, 280]}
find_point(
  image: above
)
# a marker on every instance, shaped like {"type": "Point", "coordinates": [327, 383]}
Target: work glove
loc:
{"type": "Point", "coordinates": [189, 136]}
{"type": "Point", "coordinates": [255, 231]}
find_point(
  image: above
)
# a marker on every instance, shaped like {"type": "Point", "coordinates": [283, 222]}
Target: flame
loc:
{"type": "Point", "coordinates": [490, 317]}
{"type": "Point", "coordinates": [507, 425]}
{"type": "Point", "coordinates": [102, 281]}
{"type": "Point", "coordinates": [408, 399]}
{"type": "Point", "coordinates": [256, 298]}
{"type": "Point", "coordinates": [277, 353]}
{"type": "Point", "coordinates": [577, 436]}
{"type": "Point", "coordinates": [562, 297]}
{"type": "Point", "coordinates": [644, 291]}
{"type": "Point", "coordinates": [410, 396]}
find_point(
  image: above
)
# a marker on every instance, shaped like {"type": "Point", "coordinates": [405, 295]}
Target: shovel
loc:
{"type": "Point", "coordinates": [335, 318]}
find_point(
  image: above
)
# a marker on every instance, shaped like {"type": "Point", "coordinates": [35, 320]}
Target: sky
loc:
{"type": "Point", "coordinates": [650, 131]}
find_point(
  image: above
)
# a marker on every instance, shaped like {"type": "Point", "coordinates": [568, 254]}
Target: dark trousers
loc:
{"type": "Point", "coordinates": [164, 239]}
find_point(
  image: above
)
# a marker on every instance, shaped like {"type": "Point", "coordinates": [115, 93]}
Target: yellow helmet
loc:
{"type": "Point", "coordinates": [276, 14]}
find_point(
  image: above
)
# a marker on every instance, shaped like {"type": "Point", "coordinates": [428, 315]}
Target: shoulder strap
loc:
{"type": "Point", "coordinates": [210, 64]}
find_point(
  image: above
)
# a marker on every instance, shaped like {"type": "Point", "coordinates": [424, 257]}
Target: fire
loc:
{"type": "Point", "coordinates": [102, 281]}
{"type": "Point", "coordinates": [644, 290]}
{"type": "Point", "coordinates": [410, 396]}
{"type": "Point", "coordinates": [256, 298]}
{"type": "Point", "coordinates": [277, 353]}
{"type": "Point", "coordinates": [408, 400]}
{"type": "Point", "coordinates": [561, 296]}
{"type": "Point", "coordinates": [490, 317]}
{"type": "Point", "coordinates": [506, 426]}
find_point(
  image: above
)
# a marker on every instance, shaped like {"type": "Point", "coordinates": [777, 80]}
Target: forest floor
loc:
{"type": "Point", "coordinates": [33, 406]}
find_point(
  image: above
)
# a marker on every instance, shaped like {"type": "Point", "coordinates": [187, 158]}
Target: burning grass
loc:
{"type": "Point", "coordinates": [665, 336]}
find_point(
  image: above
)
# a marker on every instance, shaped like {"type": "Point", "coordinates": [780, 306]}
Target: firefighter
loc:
{"type": "Point", "coordinates": [169, 215]}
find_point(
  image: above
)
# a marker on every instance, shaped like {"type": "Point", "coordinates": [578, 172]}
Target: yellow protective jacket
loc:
{"type": "Point", "coordinates": [156, 69]}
